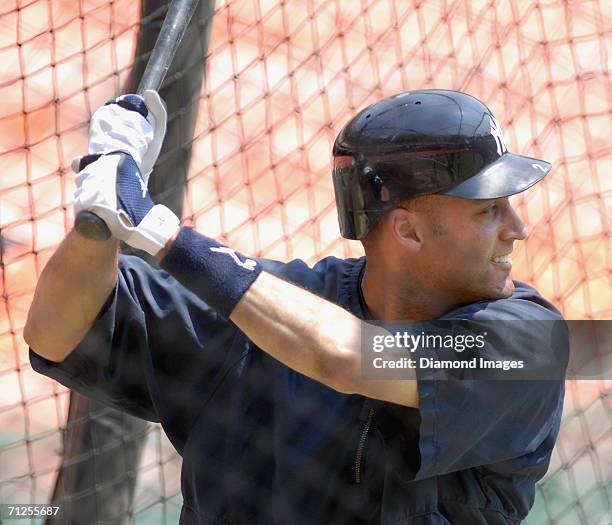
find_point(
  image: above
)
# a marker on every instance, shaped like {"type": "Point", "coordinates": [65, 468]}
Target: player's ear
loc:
{"type": "Point", "coordinates": [405, 228]}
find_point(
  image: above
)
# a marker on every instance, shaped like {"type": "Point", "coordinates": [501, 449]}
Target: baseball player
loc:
{"type": "Point", "coordinates": [253, 366]}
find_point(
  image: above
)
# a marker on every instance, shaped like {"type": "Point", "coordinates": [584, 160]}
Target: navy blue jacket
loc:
{"type": "Point", "coordinates": [262, 444]}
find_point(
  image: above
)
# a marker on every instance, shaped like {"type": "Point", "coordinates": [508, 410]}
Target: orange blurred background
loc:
{"type": "Point", "coordinates": [282, 78]}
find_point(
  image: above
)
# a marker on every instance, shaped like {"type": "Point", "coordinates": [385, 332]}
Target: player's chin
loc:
{"type": "Point", "coordinates": [506, 289]}
{"type": "Point", "coordinates": [500, 289]}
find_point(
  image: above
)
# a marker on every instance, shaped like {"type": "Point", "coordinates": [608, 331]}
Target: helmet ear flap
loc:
{"type": "Point", "coordinates": [378, 188]}
{"type": "Point", "coordinates": [378, 197]}
{"type": "Point", "coordinates": [369, 176]}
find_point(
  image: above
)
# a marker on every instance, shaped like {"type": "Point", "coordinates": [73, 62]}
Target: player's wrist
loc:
{"type": "Point", "coordinates": [216, 273]}
{"type": "Point", "coordinates": [161, 254]}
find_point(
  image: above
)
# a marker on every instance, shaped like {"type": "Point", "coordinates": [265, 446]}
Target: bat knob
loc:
{"type": "Point", "coordinates": [91, 226]}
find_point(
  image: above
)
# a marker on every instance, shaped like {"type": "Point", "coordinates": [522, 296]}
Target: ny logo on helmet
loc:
{"type": "Point", "coordinates": [496, 131]}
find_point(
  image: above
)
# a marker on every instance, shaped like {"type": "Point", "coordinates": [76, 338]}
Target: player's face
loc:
{"type": "Point", "coordinates": [468, 247]}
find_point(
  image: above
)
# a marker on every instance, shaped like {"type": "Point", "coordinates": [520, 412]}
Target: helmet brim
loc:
{"type": "Point", "coordinates": [508, 175]}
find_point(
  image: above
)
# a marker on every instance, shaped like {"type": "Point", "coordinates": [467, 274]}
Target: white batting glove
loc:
{"type": "Point", "coordinates": [139, 132]}
{"type": "Point", "coordinates": [123, 138]}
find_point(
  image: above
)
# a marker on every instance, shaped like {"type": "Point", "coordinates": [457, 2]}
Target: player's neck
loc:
{"type": "Point", "coordinates": [393, 298]}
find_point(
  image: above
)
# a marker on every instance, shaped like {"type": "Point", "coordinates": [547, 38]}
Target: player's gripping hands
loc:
{"type": "Point", "coordinates": [125, 138]}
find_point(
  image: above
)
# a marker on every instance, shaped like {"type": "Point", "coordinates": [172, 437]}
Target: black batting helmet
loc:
{"type": "Point", "coordinates": [418, 143]}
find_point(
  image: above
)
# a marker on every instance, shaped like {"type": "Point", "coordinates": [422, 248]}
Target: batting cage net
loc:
{"type": "Point", "coordinates": [256, 96]}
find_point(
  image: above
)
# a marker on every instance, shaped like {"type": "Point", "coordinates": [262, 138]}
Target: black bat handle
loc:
{"type": "Point", "coordinates": [170, 35]}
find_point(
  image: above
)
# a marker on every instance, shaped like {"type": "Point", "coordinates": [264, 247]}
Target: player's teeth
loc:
{"type": "Point", "coordinates": [501, 259]}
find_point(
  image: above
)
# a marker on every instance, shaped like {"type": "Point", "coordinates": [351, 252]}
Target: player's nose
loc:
{"type": "Point", "coordinates": [513, 227]}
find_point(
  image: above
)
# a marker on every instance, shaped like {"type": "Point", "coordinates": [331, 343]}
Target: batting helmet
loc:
{"type": "Point", "coordinates": [418, 143]}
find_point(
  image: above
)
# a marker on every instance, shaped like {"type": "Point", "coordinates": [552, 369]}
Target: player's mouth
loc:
{"type": "Point", "coordinates": [503, 261]}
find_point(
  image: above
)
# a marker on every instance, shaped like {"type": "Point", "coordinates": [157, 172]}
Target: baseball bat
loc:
{"type": "Point", "coordinates": [170, 35]}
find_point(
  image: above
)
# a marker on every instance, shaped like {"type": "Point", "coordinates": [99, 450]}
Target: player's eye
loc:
{"type": "Point", "coordinates": [492, 208]}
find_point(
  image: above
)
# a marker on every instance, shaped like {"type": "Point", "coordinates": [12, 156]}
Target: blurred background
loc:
{"type": "Point", "coordinates": [256, 97]}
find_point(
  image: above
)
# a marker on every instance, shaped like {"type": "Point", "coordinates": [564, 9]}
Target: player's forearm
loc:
{"type": "Point", "coordinates": [314, 337]}
{"type": "Point", "coordinates": [70, 292]}
{"type": "Point", "coordinates": [307, 333]}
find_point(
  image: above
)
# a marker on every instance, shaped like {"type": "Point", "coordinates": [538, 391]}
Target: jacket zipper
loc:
{"type": "Point", "coordinates": [361, 446]}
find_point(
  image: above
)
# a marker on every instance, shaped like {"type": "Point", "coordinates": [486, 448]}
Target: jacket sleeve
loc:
{"type": "Point", "coordinates": [471, 418]}
{"type": "Point", "coordinates": [155, 351]}
{"type": "Point", "coordinates": [467, 424]}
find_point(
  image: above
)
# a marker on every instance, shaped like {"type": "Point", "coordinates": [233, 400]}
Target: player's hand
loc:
{"type": "Point", "coordinates": [112, 181]}
{"type": "Point", "coordinates": [133, 124]}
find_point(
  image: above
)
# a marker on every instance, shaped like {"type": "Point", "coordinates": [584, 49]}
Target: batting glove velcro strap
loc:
{"type": "Point", "coordinates": [216, 273]}
{"type": "Point", "coordinates": [157, 227]}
